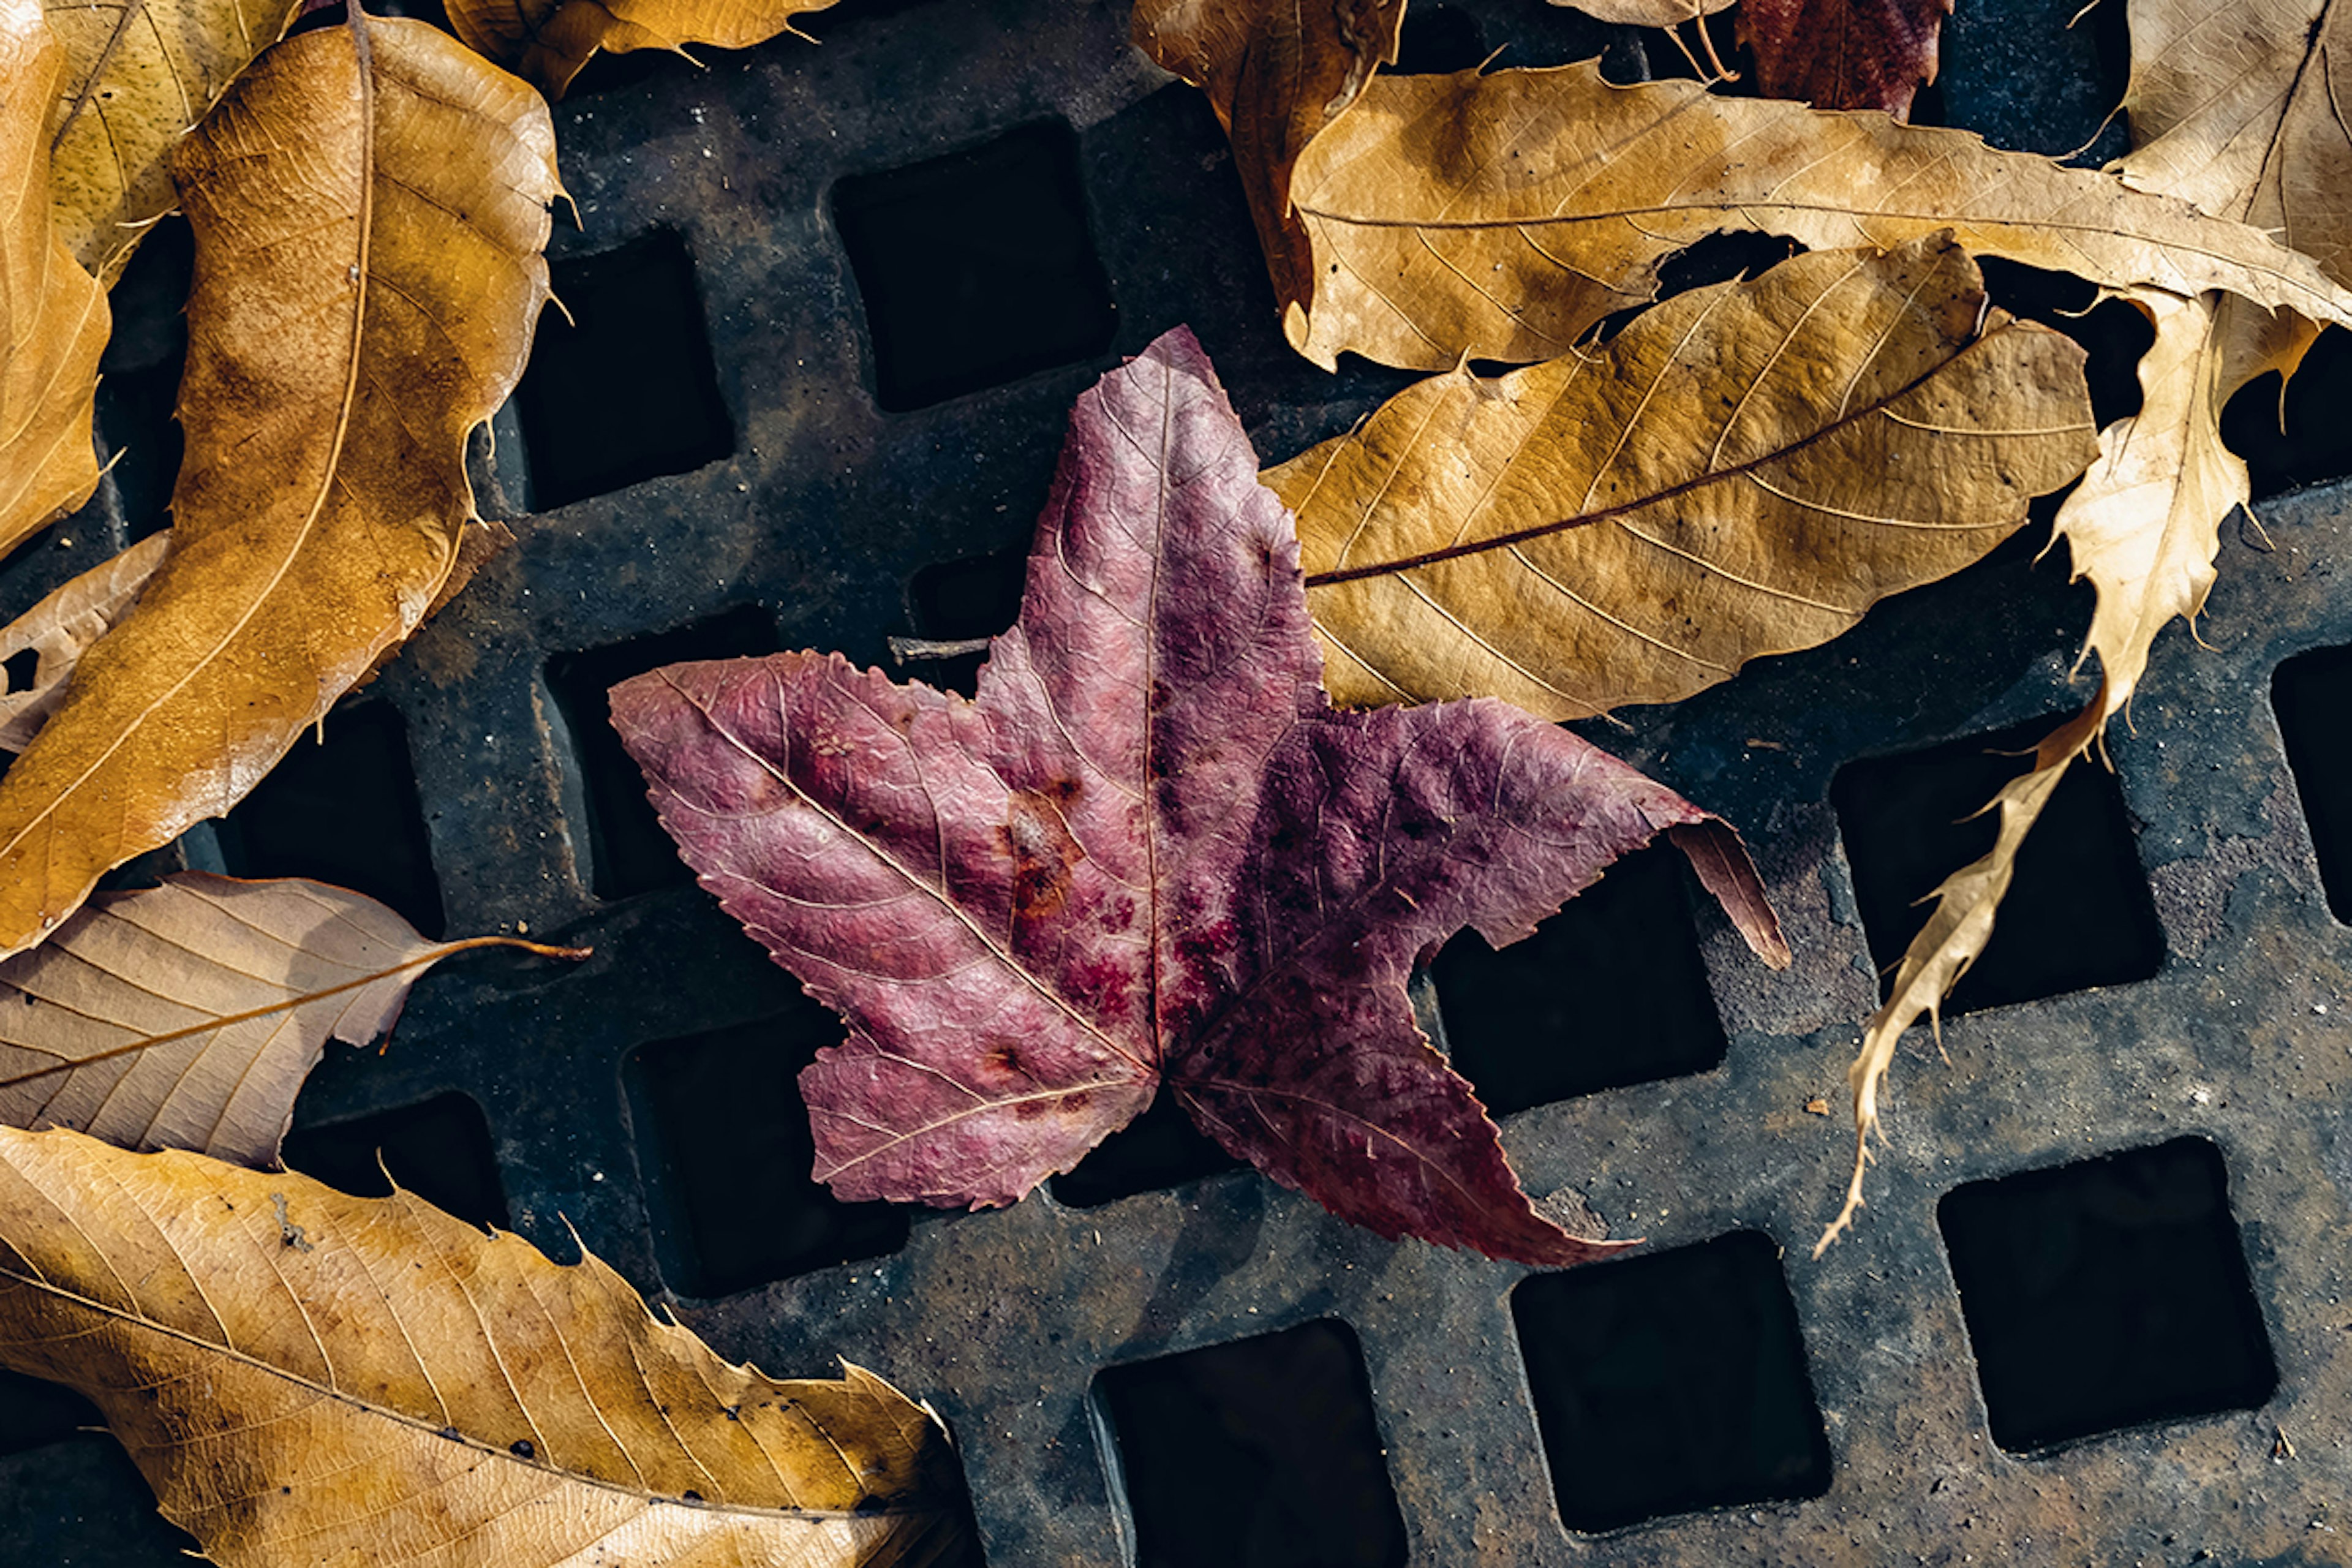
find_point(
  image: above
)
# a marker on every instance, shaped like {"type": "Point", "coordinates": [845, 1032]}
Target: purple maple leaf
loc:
{"type": "Point", "coordinates": [1148, 853]}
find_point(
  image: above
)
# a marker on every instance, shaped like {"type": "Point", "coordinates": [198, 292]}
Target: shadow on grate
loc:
{"type": "Point", "coordinates": [976, 269]}
{"type": "Point", "coordinates": [2106, 1293]}
{"type": "Point", "coordinates": [2312, 443]}
{"type": "Point", "coordinates": [438, 1149]}
{"type": "Point", "coordinates": [1260, 1453]}
{"type": "Point", "coordinates": [1671, 1382]}
{"type": "Point", "coordinates": [625, 391]}
{"type": "Point", "coordinates": [1159, 1149]}
{"type": "Point", "coordinates": [627, 850]}
{"type": "Point", "coordinates": [344, 812]}
{"type": "Point", "coordinates": [724, 1153]}
{"type": "Point", "coordinates": [978, 596]}
{"type": "Point", "coordinates": [33, 1413]}
{"type": "Point", "coordinates": [2078, 913]}
{"type": "Point", "coordinates": [1610, 991]}
{"type": "Point", "coordinates": [2310, 693]}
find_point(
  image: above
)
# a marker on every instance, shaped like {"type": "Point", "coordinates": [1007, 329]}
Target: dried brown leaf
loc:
{"type": "Point", "coordinates": [1844, 54]}
{"type": "Point", "coordinates": [1744, 471]}
{"type": "Point", "coordinates": [186, 1015]}
{"type": "Point", "coordinates": [57, 630]}
{"type": "Point", "coordinates": [308, 1377]}
{"type": "Point", "coordinates": [53, 317]}
{"type": "Point", "coordinates": [1276, 75]}
{"type": "Point", "coordinates": [140, 74]}
{"type": "Point", "coordinates": [547, 42]}
{"type": "Point", "coordinates": [1498, 216]}
{"type": "Point", "coordinates": [369, 205]}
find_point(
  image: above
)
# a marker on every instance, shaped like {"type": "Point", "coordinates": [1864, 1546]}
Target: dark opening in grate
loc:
{"type": "Point", "coordinates": [1671, 1382]}
{"type": "Point", "coordinates": [627, 850]}
{"type": "Point", "coordinates": [143, 441]}
{"type": "Point", "coordinates": [1610, 991]}
{"type": "Point", "coordinates": [438, 1149]}
{"type": "Point", "coordinates": [624, 392]}
{"type": "Point", "coordinates": [2314, 443]}
{"type": "Point", "coordinates": [976, 269]}
{"type": "Point", "coordinates": [20, 670]}
{"type": "Point", "coordinates": [1159, 1149]}
{"type": "Point", "coordinates": [978, 596]}
{"type": "Point", "coordinates": [1261, 1453]}
{"type": "Point", "coordinates": [345, 813]}
{"type": "Point", "coordinates": [2106, 1293]}
{"type": "Point", "coordinates": [724, 1153]}
{"type": "Point", "coordinates": [1439, 40]}
{"type": "Point", "coordinates": [33, 1413]}
{"type": "Point", "coordinates": [2310, 693]}
{"type": "Point", "coordinates": [2078, 913]}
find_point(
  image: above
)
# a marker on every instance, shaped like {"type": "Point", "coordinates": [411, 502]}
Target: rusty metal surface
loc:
{"type": "Point", "coordinates": [821, 519]}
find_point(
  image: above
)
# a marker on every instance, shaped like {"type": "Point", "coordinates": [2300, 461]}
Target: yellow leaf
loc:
{"type": "Point", "coordinates": [1744, 471]}
{"type": "Point", "coordinates": [53, 319]}
{"type": "Point", "coordinates": [1499, 217]}
{"type": "Point", "coordinates": [186, 1015]}
{"type": "Point", "coordinates": [141, 73]}
{"type": "Point", "coordinates": [1275, 75]}
{"type": "Point", "coordinates": [369, 205]}
{"type": "Point", "coordinates": [547, 41]}
{"type": "Point", "coordinates": [60, 626]}
{"type": "Point", "coordinates": [305, 1377]}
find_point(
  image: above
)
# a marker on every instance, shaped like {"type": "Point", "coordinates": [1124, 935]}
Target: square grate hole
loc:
{"type": "Point", "coordinates": [1159, 1149]}
{"type": "Point", "coordinates": [627, 850]}
{"type": "Point", "coordinates": [1671, 1382]}
{"type": "Point", "coordinates": [625, 390]}
{"type": "Point", "coordinates": [2105, 1293]}
{"type": "Point", "coordinates": [2078, 913]}
{"type": "Point", "coordinates": [34, 1413]}
{"type": "Point", "coordinates": [1610, 991]}
{"type": "Point", "coordinates": [2310, 693]}
{"type": "Point", "coordinates": [724, 1150]}
{"type": "Point", "coordinates": [976, 269]}
{"type": "Point", "coordinates": [1261, 1453]}
{"type": "Point", "coordinates": [143, 441]}
{"type": "Point", "coordinates": [438, 1149]}
{"type": "Point", "coordinates": [344, 812]}
{"type": "Point", "coordinates": [978, 596]}
{"type": "Point", "coordinates": [1438, 40]}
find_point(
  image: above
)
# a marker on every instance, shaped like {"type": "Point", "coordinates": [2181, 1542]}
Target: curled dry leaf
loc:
{"type": "Point", "coordinates": [547, 41]}
{"type": "Point", "coordinates": [1499, 217]}
{"type": "Point", "coordinates": [186, 1015]}
{"type": "Point", "coordinates": [2235, 110]}
{"type": "Point", "coordinates": [308, 1377]}
{"type": "Point", "coordinates": [1844, 54]}
{"type": "Point", "coordinates": [1743, 470]}
{"type": "Point", "coordinates": [57, 630]}
{"type": "Point", "coordinates": [53, 317]}
{"type": "Point", "coordinates": [1150, 853]}
{"type": "Point", "coordinates": [1275, 75]}
{"type": "Point", "coordinates": [369, 205]}
{"type": "Point", "coordinates": [139, 75]}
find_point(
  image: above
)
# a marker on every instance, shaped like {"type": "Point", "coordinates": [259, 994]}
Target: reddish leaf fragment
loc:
{"type": "Point", "coordinates": [1844, 54]}
{"type": "Point", "coordinates": [1150, 851]}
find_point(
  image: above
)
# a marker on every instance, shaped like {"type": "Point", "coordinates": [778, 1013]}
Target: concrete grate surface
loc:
{"type": "Point", "coordinates": [527, 1095]}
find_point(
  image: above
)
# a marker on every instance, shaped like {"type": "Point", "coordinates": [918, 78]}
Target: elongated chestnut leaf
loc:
{"type": "Point", "coordinates": [1150, 853]}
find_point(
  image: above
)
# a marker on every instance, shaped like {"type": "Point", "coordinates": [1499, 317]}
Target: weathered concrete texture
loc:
{"type": "Point", "coordinates": [821, 518]}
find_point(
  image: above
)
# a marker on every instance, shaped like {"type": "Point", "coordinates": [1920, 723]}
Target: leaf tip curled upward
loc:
{"type": "Point", "coordinates": [1150, 851]}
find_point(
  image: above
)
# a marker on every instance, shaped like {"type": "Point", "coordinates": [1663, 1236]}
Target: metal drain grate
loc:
{"type": "Point", "coordinates": [628, 1095]}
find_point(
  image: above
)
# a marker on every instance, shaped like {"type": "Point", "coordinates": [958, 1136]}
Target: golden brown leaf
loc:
{"type": "Point", "coordinates": [53, 319]}
{"type": "Point", "coordinates": [1275, 75]}
{"type": "Point", "coordinates": [60, 626]}
{"type": "Point", "coordinates": [142, 72]}
{"type": "Point", "coordinates": [1744, 471]}
{"type": "Point", "coordinates": [369, 205]}
{"type": "Point", "coordinates": [186, 1015]}
{"type": "Point", "coordinates": [1499, 217]}
{"type": "Point", "coordinates": [305, 1377]}
{"type": "Point", "coordinates": [547, 41]}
